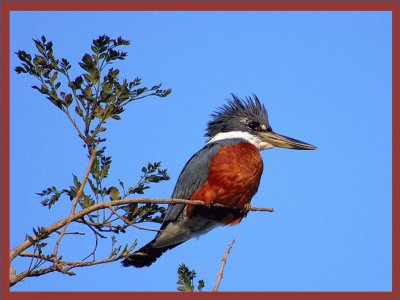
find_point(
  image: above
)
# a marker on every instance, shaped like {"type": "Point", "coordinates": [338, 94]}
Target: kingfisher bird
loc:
{"type": "Point", "coordinates": [227, 171]}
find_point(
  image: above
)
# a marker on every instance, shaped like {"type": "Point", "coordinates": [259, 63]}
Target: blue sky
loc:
{"type": "Point", "coordinates": [325, 78]}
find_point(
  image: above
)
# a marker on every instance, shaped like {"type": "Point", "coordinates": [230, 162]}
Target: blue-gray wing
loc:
{"type": "Point", "coordinates": [193, 175]}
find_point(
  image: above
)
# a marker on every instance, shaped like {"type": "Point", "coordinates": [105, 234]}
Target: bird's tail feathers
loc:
{"type": "Point", "coordinates": [146, 255]}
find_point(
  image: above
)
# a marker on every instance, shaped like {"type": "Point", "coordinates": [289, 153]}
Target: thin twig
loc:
{"type": "Point", "coordinates": [130, 223]}
{"type": "Point", "coordinates": [93, 253]}
{"type": "Point", "coordinates": [91, 225]}
{"type": "Point", "coordinates": [75, 203]}
{"type": "Point", "coordinates": [63, 266]}
{"type": "Point", "coordinates": [221, 269]}
{"type": "Point", "coordinates": [82, 186]}
{"type": "Point", "coordinates": [74, 124]}
{"type": "Point", "coordinates": [71, 233]}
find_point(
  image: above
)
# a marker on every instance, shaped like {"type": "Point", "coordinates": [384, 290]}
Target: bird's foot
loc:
{"type": "Point", "coordinates": [246, 208]}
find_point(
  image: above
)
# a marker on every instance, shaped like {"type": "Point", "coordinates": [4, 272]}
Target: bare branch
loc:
{"type": "Point", "coordinates": [77, 215]}
{"type": "Point", "coordinates": [221, 269]}
{"type": "Point", "coordinates": [63, 266]}
{"type": "Point", "coordinates": [35, 255]}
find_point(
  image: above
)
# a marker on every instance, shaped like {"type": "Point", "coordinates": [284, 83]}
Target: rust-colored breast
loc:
{"type": "Point", "coordinates": [233, 179]}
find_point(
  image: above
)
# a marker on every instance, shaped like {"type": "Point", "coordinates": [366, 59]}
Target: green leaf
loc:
{"type": "Point", "coordinates": [20, 70]}
{"type": "Point", "coordinates": [95, 78]}
{"type": "Point", "coordinates": [87, 59]}
{"type": "Point", "coordinates": [98, 112]}
{"type": "Point", "coordinates": [65, 64]}
{"type": "Point", "coordinates": [39, 45]}
{"type": "Point", "coordinates": [114, 193]}
{"type": "Point", "coordinates": [95, 167]}
{"type": "Point", "coordinates": [156, 87]}
{"type": "Point", "coordinates": [39, 60]}
{"type": "Point", "coordinates": [92, 186]}
{"type": "Point", "coordinates": [87, 92]}
{"type": "Point", "coordinates": [68, 99]}
{"type": "Point", "coordinates": [87, 63]}
{"type": "Point", "coordinates": [78, 111]}
{"type": "Point", "coordinates": [95, 50]}
{"type": "Point", "coordinates": [87, 201]}
{"type": "Point", "coordinates": [55, 195]}
{"type": "Point", "coordinates": [200, 285]}
{"type": "Point", "coordinates": [78, 81]}
{"type": "Point", "coordinates": [54, 77]}
{"type": "Point", "coordinates": [76, 182]}
{"type": "Point", "coordinates": [49, 45]}
{"type": "Point", "coordinates": [185, 278]}
{"type": "Point", "coordinates": [104, 172]}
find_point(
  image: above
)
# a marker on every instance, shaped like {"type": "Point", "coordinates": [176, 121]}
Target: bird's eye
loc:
{"type": "Point", "coordinates": [253, 124]}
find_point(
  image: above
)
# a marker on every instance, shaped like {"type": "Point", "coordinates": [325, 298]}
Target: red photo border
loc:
{"type": "Point", "coordinates": [8, 6]}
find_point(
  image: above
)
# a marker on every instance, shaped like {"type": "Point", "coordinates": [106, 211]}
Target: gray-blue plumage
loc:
{"type": "Point", "coordinates": [193, 175]}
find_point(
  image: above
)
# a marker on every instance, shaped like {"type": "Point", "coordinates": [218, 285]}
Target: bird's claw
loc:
{"type": "Point", "coordinates": [246, 208]}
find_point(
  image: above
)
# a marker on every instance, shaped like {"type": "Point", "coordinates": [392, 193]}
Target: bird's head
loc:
{"type": "Point", "coordinates": [248, 120]}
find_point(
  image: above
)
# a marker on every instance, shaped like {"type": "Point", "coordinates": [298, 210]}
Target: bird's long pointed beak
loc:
{"type": "Point", "coordinates": [282, 141]}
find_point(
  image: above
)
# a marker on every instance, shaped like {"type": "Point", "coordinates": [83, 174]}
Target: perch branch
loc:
{"type": "Point", "coordinates": [77, 215]}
